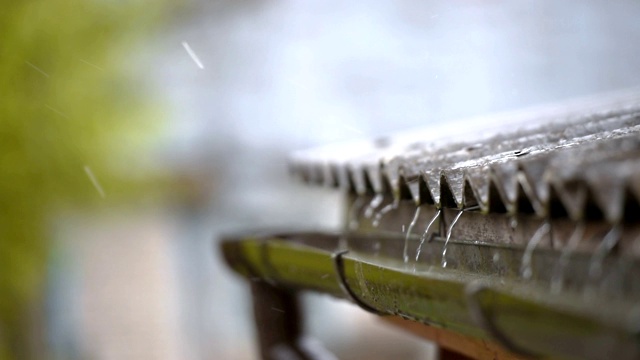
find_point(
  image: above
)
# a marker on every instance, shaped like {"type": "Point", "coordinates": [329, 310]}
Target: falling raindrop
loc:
{"type": "Point", "coordinates": [354, 211]}
{"type": "Point", "coordinates": [94, 181]}
{"type": "Point", "coordinates": [513, 223]}
{"type": "Point", "coordinates": [406, 238]}
{"type": "Point", "coordinates": [595, 265]}
{"type": "Point", "coordinates": [424, 235]}
{"type": "Point", "coordinates": [385, 210]}
{"type": "Point", "coordinates": [37, 69]}
{"type": "Point", "coordinates": [57, 111]}
{"type": "Point", "coordinates": [557, 280]}
{"type": "Point", "coordinates": [92, 64]}
{"type": "Point", "coordinates": [525, 269]}
{"type": "Point", "coordinates": [373, 205]}
{"type": "Point", "coordinates": [192, 54]}
{"type": "Point", "coordinates": [446, 242]}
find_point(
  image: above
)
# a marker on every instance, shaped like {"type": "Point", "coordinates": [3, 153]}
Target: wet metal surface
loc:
{"type": "Point", "coordinates": [525, 231]}
{"type": "Point", "coordinates": [580, 159]}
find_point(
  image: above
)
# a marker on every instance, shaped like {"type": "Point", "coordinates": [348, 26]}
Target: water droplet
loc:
{"type": "Point", "coordinates": [406, 238]}
{"type": "Point", "coordinates": [596, 264]}
{"type": "Point", "coordinates": [446, 242]}
{"type": "Point", "coordinates": [373, 205]}
{"type": "Point", "coordinates": [94, 181]}
{"type": "Point", "coordinates": [92, 64]}
{"type": "Point", "coordinates": [192, 54]}
{"type": "Point", "coordinates": [525, 268]}
{"type": "Point", "coordinates": [557, 279]}
{"type": "Point", "coordinates": [385, 210]}
{"type": "Point", "coordinates": [37, 69]}
{"type": "Point", "coordinates": [424, 235]}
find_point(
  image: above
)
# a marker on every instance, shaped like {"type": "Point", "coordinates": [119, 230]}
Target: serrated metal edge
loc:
{"type": "Point", "coordinates": [513, 183]}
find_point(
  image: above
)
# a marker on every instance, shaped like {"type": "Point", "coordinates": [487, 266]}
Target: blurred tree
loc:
{"type": "Point", "coordinates": [69, 106]}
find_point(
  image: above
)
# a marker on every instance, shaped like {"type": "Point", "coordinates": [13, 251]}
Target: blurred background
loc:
{"type": "Point", "coordinates": [133, 132]}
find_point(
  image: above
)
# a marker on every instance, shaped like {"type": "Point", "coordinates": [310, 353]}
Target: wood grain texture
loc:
{"type": "Point", "coordinates": [471, 347]}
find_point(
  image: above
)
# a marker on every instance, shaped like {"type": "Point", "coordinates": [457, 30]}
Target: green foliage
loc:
{"type": "Point", "coordinates": [67, 101]}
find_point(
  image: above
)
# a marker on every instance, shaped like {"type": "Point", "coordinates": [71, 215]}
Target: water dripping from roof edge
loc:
{"type": "Point", "coordinates": [406, 238]}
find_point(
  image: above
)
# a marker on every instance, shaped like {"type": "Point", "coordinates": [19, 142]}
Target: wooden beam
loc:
{"type": "Point", "coordinates": [453, 342]}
